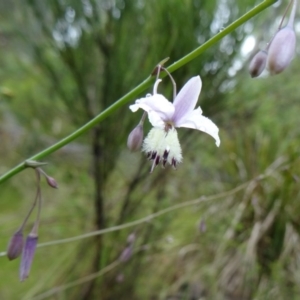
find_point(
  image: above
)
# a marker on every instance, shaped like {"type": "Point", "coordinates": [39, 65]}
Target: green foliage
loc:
{"type": "Point", "coordinates": [68, 60]}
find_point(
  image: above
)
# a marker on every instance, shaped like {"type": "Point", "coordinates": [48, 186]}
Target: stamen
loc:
{"type": "Point", "coordinates": [162, 147]}
{"type": "Point", "coordinates": [166, 153]}
{"type": "Point", "coordinates": [165, 156]}
{"type": "Point", "coordinates": [153, 166]}
{"type": "Point", "coordinates": [174, 163]}
{"type": "Point", "coordinates": [157, 159]}
{"type": "Point", "coordinates": [153, 156]}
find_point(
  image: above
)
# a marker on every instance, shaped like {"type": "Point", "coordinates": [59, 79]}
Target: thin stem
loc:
{"type": "Point", "coordinates": [59, 289]}
{"type": "Point", "coordinates": [157, 81]}
{"type": "Point", "coordinates": [39, 197]}
{"type": "Point", "coordinates": [192, 55]}
{"type": "Point", "coordinates": [158, 72]}
{"type": "Point", "coordinates": [173, 82]}
{"type": "Point", "coordinates": [284, 14]}
{"type": "Point", "coordinates": [292, 15]}
{"type": "Point", "coordinates": [150, 217]}
{"type": "Point", "coordinates": [155, 215]}
{"type": "Point", "coordinates": [35, 201]}
{"type": "Point", "coordinates": [140, 88]}
{"type": "Point", "coordinates": [143, 118]}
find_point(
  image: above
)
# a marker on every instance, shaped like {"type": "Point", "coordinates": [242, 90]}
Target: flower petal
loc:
{"type": "Point", "coordinates": [187, 98]}
{"type": "Point", "coordinates": [159, 109]}
{"type": "Point", "coordinates": [195, 120]}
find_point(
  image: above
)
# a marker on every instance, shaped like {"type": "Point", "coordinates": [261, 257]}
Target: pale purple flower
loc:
{"type": "Point", "coordinates": [202, 225]}
{"type": "Point", "coordinates": [282, 48]}
{"type": "Point", "coordinates": [258, 63]}
{"type": "Point", "coordinates": [27, 255]}
{"type": "Point", "coordinates": [131, 238]}
{"type": "Point", "coordinates": [135, 138]}
{"type": "Point", "coordinates": [126, 254]}
{"type": "Point", "coordinates": [162, 145]}
{"type": "Point", "coordinates": [15, 245]}
{"type": "Point", "coordinates": [51, 182]}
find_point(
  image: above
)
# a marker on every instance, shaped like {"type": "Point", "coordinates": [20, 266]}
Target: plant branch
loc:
{"type": "Point", "coordinates": [138, 89]}
{"type": "Point", "coordinates": [154, 215]}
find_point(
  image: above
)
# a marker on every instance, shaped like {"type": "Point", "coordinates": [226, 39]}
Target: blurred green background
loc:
{"type": "Point", "coordinates": [61, 63]}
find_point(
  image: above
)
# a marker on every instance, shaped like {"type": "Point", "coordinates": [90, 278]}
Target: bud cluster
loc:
{"type": "Point", "coordinates": [17, 246]}
{"type": "Point", "coordinates": [279, 51]}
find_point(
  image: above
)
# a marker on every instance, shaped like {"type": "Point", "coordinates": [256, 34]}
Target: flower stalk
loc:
{"type": "Point", "coordinates": [16, 245]}
{"type": "Point", "coordinates": [140, 88]}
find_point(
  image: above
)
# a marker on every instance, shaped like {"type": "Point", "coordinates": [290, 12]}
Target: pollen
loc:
{"type": "Point", "coordinates": [162, 147]}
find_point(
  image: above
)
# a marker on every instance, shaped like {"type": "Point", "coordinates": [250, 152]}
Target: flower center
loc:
{"type": "Point", "coordinates": [168, 126]}
{"type": "Point", "coordinates": [162, 146]}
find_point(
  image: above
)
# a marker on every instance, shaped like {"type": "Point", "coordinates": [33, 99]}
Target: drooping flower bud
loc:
{"type": "Point", "coordinates": [52, 182]}
{"type": "Point", "coordinates": [281, 50]}
{"type": "Point", "coordinates": [15, 245]}
{"type": "Point", "coordinates": [27, 255]}
{"type": "Point", "coordinates": [202, 225]}
{"type": "Point", "coordinates": [135, 138]}
{"type": "Point", "coordinates": [283, 46]}
{"type": "Point", "coordinates": [120, 277]}
{"type": "Point", "coordinates": [126, 254]}
{"type": "Point", "coordinates": [131, 238]}
{"type": "Point", "coordinates": [258, 63]}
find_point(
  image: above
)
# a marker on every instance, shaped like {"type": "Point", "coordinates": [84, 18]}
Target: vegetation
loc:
{"type": "Point", "coordinates": [224, 225]}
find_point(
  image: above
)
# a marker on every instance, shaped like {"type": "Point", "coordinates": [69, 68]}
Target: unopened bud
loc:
{"type": "Point", "coordinates": [27, 255]}
{"type": "Point", "coordinates": [258, 63]}
{"type": "Point", "coordinates": [15, 245]}
{"type": "Point", "coordinates": [126, 254]}
{"type": "Point", "coordinates": [120, 277]}
{"type": "Point", "coordinates": [131, 238]}
{"type": "Point", "coordinates": [52, 182]}
{"type": "Point", "coordinates": [202, 226]}
{"type": "Point", "coordinates": [135, 138]}
{"type": "Point", "coordinates": [281, 50]}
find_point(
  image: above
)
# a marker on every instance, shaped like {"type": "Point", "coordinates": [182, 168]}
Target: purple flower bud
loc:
{"type": "Point", "coordinates": [281, 50]}
{"type": "Point", "coordinates": [126, 254]}
{"type": "Point", "coordinates": [258, 63]}
{"type": "Point", "coordinates": [131, 238]}
{"type": "Point", "coordinates": [52, 182]}
{"type": "Point", "coordinates": [120, 277]}
{"type": "Point", "coordinates": [202, 225]}
{"type": "Point", "coordinates": [27, 255]}
{"type": "Point", "coordinates": [135, 138]}
{"type": "Point", "coordinates": [15, 245]}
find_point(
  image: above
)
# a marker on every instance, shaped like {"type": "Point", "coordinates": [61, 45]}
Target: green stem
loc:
{"type": "Point", "coordinates": [140, 88]}
{"type": "Point", "coordinates": [243, 19]}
